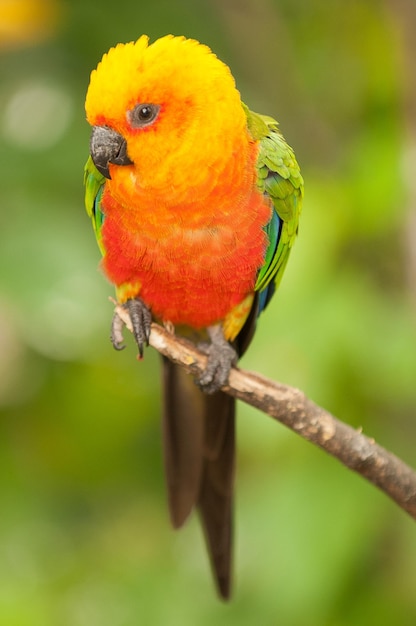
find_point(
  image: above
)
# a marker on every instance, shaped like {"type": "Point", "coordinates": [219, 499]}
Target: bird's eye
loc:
{"type": "Point", "coordinates": [143, 114]}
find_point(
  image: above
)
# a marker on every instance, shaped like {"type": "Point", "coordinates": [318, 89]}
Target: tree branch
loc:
{"type": "Point", "coordinates": [292, 408]}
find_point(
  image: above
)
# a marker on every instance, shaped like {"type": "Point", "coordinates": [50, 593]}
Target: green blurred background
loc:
{"type": "Point", "coordinates": [84, 533]}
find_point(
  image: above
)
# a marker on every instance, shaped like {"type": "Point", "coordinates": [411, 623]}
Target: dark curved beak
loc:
{"type": "Point", "coordinates": [107, 146]}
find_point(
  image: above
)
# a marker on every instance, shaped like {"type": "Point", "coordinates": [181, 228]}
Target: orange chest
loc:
{"type": "Point", "coordinates": [188, 275]}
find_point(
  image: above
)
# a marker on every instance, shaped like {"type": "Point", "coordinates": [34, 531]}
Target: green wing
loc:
{"type": "Point", "coordinates": [94, 187]}
{"type": "Point", "coordinates": [280, 179]}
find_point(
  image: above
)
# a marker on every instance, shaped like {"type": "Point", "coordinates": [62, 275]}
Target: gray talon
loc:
{"type": "Point", "coordinates": [141, 320]}
{"type": "Point", "coordinates": [221, 358]}
{"type": "Point", "coordinates": [116, 335]}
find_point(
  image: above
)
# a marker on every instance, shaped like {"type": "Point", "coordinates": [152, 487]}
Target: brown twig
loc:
{"type": "Point", "coordinates": [293, 409]}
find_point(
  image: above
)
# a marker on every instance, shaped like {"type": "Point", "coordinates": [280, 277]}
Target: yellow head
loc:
{"type": "Point", "coordinates": [174, 103]}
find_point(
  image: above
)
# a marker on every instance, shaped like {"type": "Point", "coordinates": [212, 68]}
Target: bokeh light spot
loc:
{"type": "Point", "coordinates": [25, 22]}
{"type": "Point", "coordinates": [36, 115]}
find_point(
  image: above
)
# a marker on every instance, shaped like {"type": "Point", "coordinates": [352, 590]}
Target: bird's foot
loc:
{"type": "Point", "coordinates": [137, 317]}
{"type": "Point", "coordinates": [221, 357]}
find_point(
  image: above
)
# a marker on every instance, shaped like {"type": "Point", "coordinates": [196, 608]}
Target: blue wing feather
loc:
{"type": "Point", "coordinates": [273, 231]}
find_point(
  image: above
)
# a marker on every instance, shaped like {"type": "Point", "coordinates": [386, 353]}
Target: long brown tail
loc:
{"type": "Point", "coordinates": [199, 450]}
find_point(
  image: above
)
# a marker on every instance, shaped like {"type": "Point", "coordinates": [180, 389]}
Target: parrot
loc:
{"type": "Point", "coordinates": [195, 203]}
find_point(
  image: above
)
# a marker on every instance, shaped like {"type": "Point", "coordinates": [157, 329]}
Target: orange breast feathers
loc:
{"type": "Point", "coordinates": [191, 263]}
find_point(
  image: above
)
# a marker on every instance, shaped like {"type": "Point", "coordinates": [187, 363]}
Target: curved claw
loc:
{"type": "Point", "coordinates": [141, 320]}
{"type": "Point", "coordinates": [221, 358]}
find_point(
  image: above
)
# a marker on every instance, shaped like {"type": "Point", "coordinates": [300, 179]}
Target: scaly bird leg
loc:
{"type": "Point", "coordinates": [221, 358]}
{"type": "Point", "coordinates": [140, 318]}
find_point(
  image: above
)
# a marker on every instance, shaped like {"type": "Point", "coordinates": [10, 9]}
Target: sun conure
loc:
{"type": "Point", "coordinates": [195, 203]}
